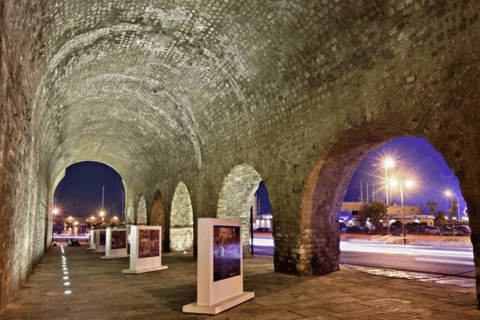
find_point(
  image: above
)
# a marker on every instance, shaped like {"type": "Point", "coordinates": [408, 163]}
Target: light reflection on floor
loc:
{"type": "Point", "coordinates": [462, 282]}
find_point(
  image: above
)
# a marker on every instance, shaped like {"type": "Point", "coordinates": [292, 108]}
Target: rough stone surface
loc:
{"type": "Point", "coordinates": [181, 220]}
{"type": "Point", "coordinates": [170, 91]}
{"type": "Point", "coordinates": [237, 198]}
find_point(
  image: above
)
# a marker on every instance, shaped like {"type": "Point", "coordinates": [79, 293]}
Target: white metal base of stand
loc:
{"type": "Point", "coordinates": [132, 271]}
{"type": "Point", "coordinates": [115, 257]}
{"type": "Point", "coordinates": [220, 306]}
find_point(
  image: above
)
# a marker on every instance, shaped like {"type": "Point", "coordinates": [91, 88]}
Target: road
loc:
{"type": "Point", "coordinates": [446, 261]}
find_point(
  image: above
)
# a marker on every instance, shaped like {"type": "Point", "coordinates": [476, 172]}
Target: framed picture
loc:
{"type": "Point", "coordinates": [102, 236]}
{"type": "Point", "coordinates": [148, 245]}
{"type": "Point", "coordinates": [119, 239]}
{"type": "Point", "coordinates": [226, 252]}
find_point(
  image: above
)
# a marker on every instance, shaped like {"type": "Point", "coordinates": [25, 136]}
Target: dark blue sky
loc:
{"type": "Point", "coordinates": [415, 159]}
{"type": "Point", "coordinates": [80, 191]}
{"type": "Point", "coordinates": [262, 196]}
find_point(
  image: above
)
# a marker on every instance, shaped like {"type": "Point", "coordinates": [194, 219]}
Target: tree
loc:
{"type": "Point", "coordinates": [372, 212]}
{"type": "Point", "coordinates": [453, 209]}
{"type": "Point", "coordinates": [433, 206]}
{"type": "Point", "coordinates": [440, 218]}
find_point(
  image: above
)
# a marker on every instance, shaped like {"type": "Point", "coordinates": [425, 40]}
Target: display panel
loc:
{"type": "Point", "coordinates": [119, 239]}
{"type": "Point", "coordinates": [149, 244]}
{"type": "Point", "coordinates": [102, 237]}
{"type": "Point", "coordinates": [226, 252]}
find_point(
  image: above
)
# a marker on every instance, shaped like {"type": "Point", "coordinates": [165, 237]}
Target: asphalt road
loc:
{"type": "Point", "coordinates": [445, 261]}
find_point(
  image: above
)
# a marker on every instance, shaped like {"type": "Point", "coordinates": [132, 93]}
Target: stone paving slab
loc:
{"type": "Point", "coordinates": [99, 290]}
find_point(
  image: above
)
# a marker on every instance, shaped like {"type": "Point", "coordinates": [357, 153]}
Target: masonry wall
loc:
{"type": "Point", "coordinates": [187, 90]}
{"type": "Point", "coordinates": [23, 189]}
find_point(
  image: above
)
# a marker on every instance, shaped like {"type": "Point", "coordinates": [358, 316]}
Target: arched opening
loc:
{"type": "Point", "coordinates": [237, 198]}
{"type": "Point", "coordinates": [142, 212]}
{"type": "Point", "coordinates": [404, 193]}
{"type": "Point", "coordinates": [157, 217]}
{"type": "Point", "coordinates": [326, 188]}
{"type": "Point", "coordinates": [262, 224]}
{"type": "Point", "coordinates": [90, 194]}
{"type": "Point", "coordinates": [181, 220]}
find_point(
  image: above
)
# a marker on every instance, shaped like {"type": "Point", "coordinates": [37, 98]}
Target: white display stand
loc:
{"type": "Point", "coordinates": [110, 251]}
{"type": "Point", "coordinates": [217, 292]}
{"type": "Point", "coordinates": [98, 247]}
{"type": "Point", "coordinates": [145, 253]}
{"type": "Point", "coordinates": [92, 240]}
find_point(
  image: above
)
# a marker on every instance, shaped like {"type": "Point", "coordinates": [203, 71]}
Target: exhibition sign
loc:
{"type": "Point", "coordinates": [116, 244]}
{"type": "Point", "coordinates": [100, 239]}
{"type": "Point", "coordinates": [92, 239]}
{"type": "Point", "coordinates": [219, 267]}
{"type": "Point", "coordinates": [145, 249]}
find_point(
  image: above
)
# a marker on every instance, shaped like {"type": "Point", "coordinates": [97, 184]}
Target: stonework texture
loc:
{"type": "Point", "coordinates": [181, 220]}
{"type": "Point", "coordinates": [169, 91]}
{"type": "Point", "coordinates": [237, 198]}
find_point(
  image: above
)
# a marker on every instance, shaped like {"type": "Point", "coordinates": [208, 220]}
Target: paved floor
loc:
{"type": "Point", "coordinates": [100, 291]}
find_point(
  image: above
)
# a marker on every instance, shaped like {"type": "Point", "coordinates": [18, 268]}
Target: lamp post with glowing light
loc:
{"type": "Point", "coordinates": [450, 194]}
{"type": "Point", "coordinates": [102, 214]}
{"type": "Point", "coordinates": [387, 163]}
{"type": "Point", "coordinates": [408, 184]}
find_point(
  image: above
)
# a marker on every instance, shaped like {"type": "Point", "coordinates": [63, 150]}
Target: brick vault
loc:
{"type": "Point", "coordinates": [185, 91]}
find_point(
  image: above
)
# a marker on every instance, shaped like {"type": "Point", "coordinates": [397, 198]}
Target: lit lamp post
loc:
{"type": "Point", "coordinates": [102, 214]}
{"type": "Point", "coordinates": [55, 213]}
{"type": "Point", "coordinates": [387, 163]}
{"type": "Point", "coordinates": [450, 194]}
{"type": "Point", "coordinates": [408, 184]}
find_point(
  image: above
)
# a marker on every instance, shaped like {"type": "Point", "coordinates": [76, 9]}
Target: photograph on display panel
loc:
{"type": "Point", "coordinates": [119, 239]}
{"type": "Point", "coordinates": [148, 244]}
{"type": "Point", "coordinates": [102, 237]}
{"type": "Point", "coordinates": [227, 252]}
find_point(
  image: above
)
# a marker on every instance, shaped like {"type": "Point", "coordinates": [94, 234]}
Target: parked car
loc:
{"type": "Point", "coordinates": [462, 230]}
{"type": "Point", "coordinates": [433, 230]}
{"type": "Point", "coordinates": [261, 230]}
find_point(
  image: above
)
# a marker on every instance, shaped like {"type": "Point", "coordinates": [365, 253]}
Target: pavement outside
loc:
{"type": "Point", "coordinates": [99, 290]}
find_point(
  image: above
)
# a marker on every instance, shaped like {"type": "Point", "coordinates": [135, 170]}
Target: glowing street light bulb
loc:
{"type": "Point", "coordinates": [409, 183]}
{"type": "Point", "coordinates": [448, 193]}
{"type": "Point", "coordinates": [393, 182]}
{"type": "Point", "coordinates": [102, 213]}
{"type": "Point", "coordinates": [55, 211]}
{"type": "Point", "coordinates": [389, 162]}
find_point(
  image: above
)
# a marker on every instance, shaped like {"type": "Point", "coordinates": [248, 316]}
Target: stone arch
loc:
{"type": "Point", "coordinates": [181, 220]}
{"type": "Point", "coordinates": [142, 212]}
{"type": "Point", "coordinates": [129, 212]}
{"type": "Point", "coordinates": [157, 217]}
{"type": "Point", "coordinates": [236, 198]}
{"type": "Point", "coordinates": [325, 189]}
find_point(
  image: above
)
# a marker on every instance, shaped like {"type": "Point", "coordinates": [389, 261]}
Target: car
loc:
{"type": "Point", "coordinates": [261, 230]}
{"type": "Point", "coordinates": [462, 230]}
{"type": "Point", "coordinates": [433, 230]}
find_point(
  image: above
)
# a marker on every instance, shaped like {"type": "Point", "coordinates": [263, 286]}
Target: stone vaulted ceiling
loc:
{"type": "Point", "coordinates": [142, 84]}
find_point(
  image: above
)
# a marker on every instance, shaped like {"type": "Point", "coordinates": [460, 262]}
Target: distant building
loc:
{"type": "Point", "coordinates": [394, 213]}
{"type": "Point", "coordinates": [397, 210]}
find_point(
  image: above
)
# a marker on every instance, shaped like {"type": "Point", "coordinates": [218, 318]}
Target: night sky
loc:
{"type": "Point", "coordinates": [415, 159]}
{"type": "Point", "coordinates": [80, 192]}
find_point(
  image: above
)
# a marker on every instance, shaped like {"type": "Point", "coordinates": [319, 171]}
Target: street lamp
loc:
{"type": "Point", "coordinates": [387, 163]}
{"type": "Point", "coordinates": [449, 194]}
{"type": "Point", "coordinates": [408, 184]}
{"type": "Point", "coordinates": [102, 214]}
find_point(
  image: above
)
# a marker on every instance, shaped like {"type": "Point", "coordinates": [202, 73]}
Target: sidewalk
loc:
{"type": "Point", "coordinates": [100, 291]}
